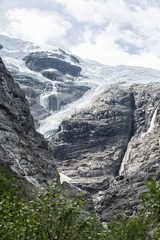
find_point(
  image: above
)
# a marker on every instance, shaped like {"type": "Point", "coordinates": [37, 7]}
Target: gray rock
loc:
{"type": "Point", "coordinates": [40, 61]}
{"type": "Point", "coordinates": [21, 147]}
{"type": "Point", "coordinates": [32, 88]}
{"type": "Point", "coordinates": [75, 192]}
{"type": "Point", "coordinates": [91, 145]}
{"type": "Point", "coordinates": [68, 92]}
{"type": "Point", "coordinates": [43, 89]}
{"type": "Point", "coordinates": [1, 46]}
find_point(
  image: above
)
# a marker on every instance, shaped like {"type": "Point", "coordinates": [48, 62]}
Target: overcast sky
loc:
{"type": "Point", "coordinates": [108, 31]}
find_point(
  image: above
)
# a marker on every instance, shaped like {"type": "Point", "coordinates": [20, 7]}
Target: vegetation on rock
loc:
{"type": "Point", "coordinates": [52, 215]}
{"type": "Point", "coordinates": [145, 225]}
{"type": "Point", "coordinates": [49, 215]}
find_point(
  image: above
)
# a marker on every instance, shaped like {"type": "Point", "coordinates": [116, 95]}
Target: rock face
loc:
{"type": "Point", "coordinates": [91, 146]}
{"type": "Point", "coordinates": [54, 87]}
{"type": "Point", "coordinates": [33, 88]}
{"type": "Point", "coordinates": [48, 78]}
{"type": "Point", "coordinates": [21, 147]}
{"type": "Point", "coordinates": [1, 46]}
{"type": "Point", "coordinates": [143, 161]}
{"type": "Point", "coordinates": [110, 149]}
{"type": "Point", "coordinates": [40, 61]}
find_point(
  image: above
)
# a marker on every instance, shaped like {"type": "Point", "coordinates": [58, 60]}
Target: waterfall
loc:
{"type": "Point", "coordinates": [152, 124]}
{"type": "Point", "coordinates": [17, 161]}
{"type": "Point", "coordinates": [125, 159]}
{"type": "Point", "coordinates": [25, 173]}
{"type": "Point", "coordinates": [44, 97]}
{"type": "Point", "coordinates": [127, 153]}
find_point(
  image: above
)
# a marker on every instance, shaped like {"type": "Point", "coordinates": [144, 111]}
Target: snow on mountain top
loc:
{"type": "Point", "coordinates": [94, 75]}
{"type": "Point", "coordinates": [17, 48]}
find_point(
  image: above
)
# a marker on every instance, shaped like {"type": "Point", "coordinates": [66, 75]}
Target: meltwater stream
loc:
{"type": "Point", "coordinates": [133, 140]}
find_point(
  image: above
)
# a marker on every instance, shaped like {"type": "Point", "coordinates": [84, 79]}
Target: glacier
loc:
{"type": "Point", "coordinates": [94, 75]}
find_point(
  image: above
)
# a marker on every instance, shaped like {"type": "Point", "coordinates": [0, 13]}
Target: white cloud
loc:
{"type": "Point", "coordinates": [106, 50]}
{"type": "Point", "coordinates": [115, 27]}
{"type": "Point", "coordinates": [90, 11]}
{"type": "Point", "coordinates": [109, 31]}
{"type": "Point", "coordinates": [103, 48]}
{"type": "Point", "coordinates": [36, 26]}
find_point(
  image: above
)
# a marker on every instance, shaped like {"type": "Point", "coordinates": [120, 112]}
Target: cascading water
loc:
{"type": "Point", "coordinates": [44, 97]}
{"type": "Point", "coordinates": [125, 159]}
{"type": "Point", "coordinates": [18, 163]}
{"type": "Point", "coordinates": [94, 75]}
{"type": "Point", "coordinates": [25, 173]}
{"type": "Point", "coordinates": [129, 147]}
{"type": "Point", "coordinates": [152, 124]}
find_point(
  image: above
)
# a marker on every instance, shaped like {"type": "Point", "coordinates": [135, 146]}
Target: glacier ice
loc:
{"type": "Point", "coordinates": [94, 75]}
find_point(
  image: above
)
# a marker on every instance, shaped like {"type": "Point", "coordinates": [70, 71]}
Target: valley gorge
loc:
{"type": "Point", "coordinates": [108, 146]}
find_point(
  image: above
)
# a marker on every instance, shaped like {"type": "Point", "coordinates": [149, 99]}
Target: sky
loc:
{"type": "Point", "coordinates": [113, 32]}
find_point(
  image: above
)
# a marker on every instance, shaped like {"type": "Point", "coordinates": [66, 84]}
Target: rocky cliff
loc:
{"type": "Point", "coordinates": [21, 147]}
{"type": "Point", "coordinates": [40, 61]}
{"type": "Point", "coordinates": [92, 145]}
{"type": "Point", "coordinates": [48, 78]}
{"type": "Point", "coordinates": [109, 147]}
{"type": "Point", "coordinates": [54, 86]}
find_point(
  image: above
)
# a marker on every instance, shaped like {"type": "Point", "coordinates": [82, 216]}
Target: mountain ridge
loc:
{"type": "Point", "coordinates": [92, 120]}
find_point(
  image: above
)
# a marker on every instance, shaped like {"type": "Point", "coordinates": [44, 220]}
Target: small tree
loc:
{"type": "Point", "coordinates": [51, 215]}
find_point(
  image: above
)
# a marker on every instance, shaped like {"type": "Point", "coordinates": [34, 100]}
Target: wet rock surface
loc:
{"type": "Point", "coordinates": [91, 145]}
{"type": "Point", "coordinates": [32, 88]}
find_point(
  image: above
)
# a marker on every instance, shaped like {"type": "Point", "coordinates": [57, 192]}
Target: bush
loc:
{"type": "Point", "coordinates": [145, 225]}
{"type": "Point", "coordinates": [50, 215]}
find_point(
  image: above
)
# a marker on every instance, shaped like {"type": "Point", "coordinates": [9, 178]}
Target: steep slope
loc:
{"type": "Point", "coordinates": [57, 84]}
{"type": "Point", "coordinates": [92, 145]}
{"type": "Point", "coordinates": [107, 142]}
{"type": "Point", "coordinates": [21, 147]}
{"type": "Point", "coordinates": [24, 153]}
{"type": "Point", "coordinates": [48, 78]}
{"type": "Point", "coordinates": [141, 162]}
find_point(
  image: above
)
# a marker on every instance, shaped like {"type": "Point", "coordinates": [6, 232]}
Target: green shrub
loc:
{"type": "Point", "coordinates": [145, 225]}
{"type": "Point", "coordinates": [50, 215]}
{"type": "Point", "coordinates": [151, 200]}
